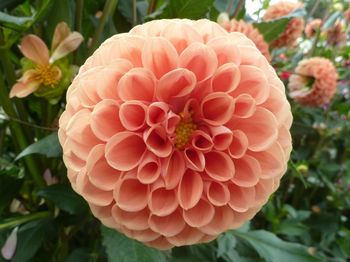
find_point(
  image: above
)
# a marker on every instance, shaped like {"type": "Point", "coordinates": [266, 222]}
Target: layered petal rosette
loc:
{"type": "Point", "coordinates": [176, 132]}
{"type": "Point", "coordinates": [312, 27]}
{"type": "Point", "coordinates": [314, 82]}
{"type": "Point", "coordinates": [295, 26]}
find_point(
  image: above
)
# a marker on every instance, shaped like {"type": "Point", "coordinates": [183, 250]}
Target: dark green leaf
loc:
{"type": "Point", "coordinates": [48, 146]}
{"type": "Point", "coordinates": [64, 198]}
{"type": "Point", "coordinates": [6, 195]}
{"type": "Point", "coordinates": [273, 249]}
{"type": "Point", "coordinates": [119, 248]}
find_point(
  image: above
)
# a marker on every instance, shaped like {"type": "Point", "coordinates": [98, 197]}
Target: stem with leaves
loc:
{"type": "Point", "coordinates": [24, 219]}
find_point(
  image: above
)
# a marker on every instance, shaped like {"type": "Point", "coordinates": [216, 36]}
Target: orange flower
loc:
{"type": "Point", "coordinates": [314, 83]}
{"type": "Point", "coordinates": [44, 72]}
{"type": "Point", "coordinates": [336, 35]}
{"type": "Point", "coordinates": [176, 132]}
{"type": "Point", "coordinates": [293, 29]}
{"type": "Point", "coordinates": [252, 33]}
{"type": "Point", "coordinates": [347, 15]}
{"type": "Point", "coordinates": [312, 27]}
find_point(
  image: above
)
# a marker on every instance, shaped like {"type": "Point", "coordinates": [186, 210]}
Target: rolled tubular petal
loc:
{"type": "Point", "coordinates": [190, 190]}
{"type": "Point", "coordinates": [219, 166]}
{"type": "Point", "coordinates": [132, 115]}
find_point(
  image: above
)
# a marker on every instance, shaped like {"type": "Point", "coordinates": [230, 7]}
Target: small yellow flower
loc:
{"type": "Point", "coordinates": [45, 73]}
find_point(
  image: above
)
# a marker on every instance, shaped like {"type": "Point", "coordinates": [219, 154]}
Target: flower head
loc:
{"type": "Point", "coordinates": [250, 32]}
{"type": "Point", "coordinates": [176, 131]}
{"type": "Point", "coordinates": [336, 35]}
{"type": "Point", "coordinates": [312, 27]}
{"type": "Point", "coordinates": [43, 72]}
{"type": "Point", "coordinates": [293, 29]}
{"type": "Point", "coordinates": [314, 83]}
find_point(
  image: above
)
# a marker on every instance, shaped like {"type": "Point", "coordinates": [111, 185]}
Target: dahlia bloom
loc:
{"type": "Point", "coordinates": [314, 83]}
{"type": "Point", "coordinates": [43, 73]}
{"type": "Point", "coordinates": [312, 27]}
{"type": "Point", "coordinates": [336, 35]}
{"type": "Point", "coordinates": [176, 132]}
{"type": "Point", "coordinates": [249, 31]}
{"type": "Point", "coordinates": [293, 29]}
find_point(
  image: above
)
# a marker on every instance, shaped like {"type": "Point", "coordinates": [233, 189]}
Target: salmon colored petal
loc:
{"type": "Point", "coordinates": [201, 141]}
{"type": "Point", "coordinates": [239, 144]}
{"type": "Point", "coordinates": [285, 140]}
{"type": "Point", "coordinates": [217, 193]}
{"type": "Point", "coordinates": [162, 202]}
{"type": "Point", "coordinates": [143, 235]}
{"type": "Point", "coordinates": [104, 215]}
{"type": "Point", "coordinates": [222, 137]}
{"type": "Point", "coordinates": [27, 76]}
{"type": "Point", "coordinates": [91, 193]}
{"type": "Point", "coordinates": [171, 122]}
{"type": "Point", "coordinates": [257, 86]}
{"type": "Point", "coordinates": [61, 32]}
{"type": "Point", "coordinates": [268, 130]}
{"type": "Point", "coordinates": [245, 106]}
{"type": "Point", "coordinates": [226, 50]}
{"type": "Point", "coordinates": [137, 84]}
{"type": "Point", "coordinates": [271, 161]}
{"type": "Point", "coordinates": [208, 31]}
{"type": "Point", "coordinates": [21, 90]}
{"type": "Point", "coordinates": [226, 78]}
{"type": "Point", "coordinates": [35, 49]}
{"type": "Point", "coordinates": [180, 35]}
{"type": "Point", "coordinates": [105, 121]}
{"type": "Point", "coordinates": [131, 195]}
{"type": "Point", "coordinates": [188, 236]}
{"type": "Point", "coordinates": [219, 166]}
{"type": "Point", "coordinates": [217, 108]}
{"type": "Point", "coordinates": [194, 159]}
{"type": "Point", "coordinates": [99, 172]}
{"type": "Point", "coordinates": [149, 169]}
{"type": "Point", "coordinates": [131, 220]}
{"type": "Point", "coordinates": [68, 45]}
{"type": "Point", "coordinates": [222, 219]}
{"type": "Point", "coordinates": [132, 115]}
{"type": "Point", "coordinates": [169, 225]}
{"type": "Point", "coordinates": [204, 208]}
{"type": "Point", "coordinates": [276, 104]}
{"type": "Point", "coordinates": [173, 168]}
{"type": "Point", "coordinates": [175, 86]}
{"type": "Point", "coordinates": [248, 171]}
{"type": "Point", "coordinates": [124, 150]}
{"type": "Point", "coordinates": [157, 141]}
{"type": "Point", "coordinates": [190, 190]}
{"type": "Point", "coordinates": [159, 56]}
{"type": "Point", "coordinates": [160, 243]}
{"type": "Point", "coordinates": [241, 198]}
{"type": "Point", "coordinates": [199, 59]}
{"type": "Point", "coordinates": [262, 190]}
{"type": "Point", "coordinates": [157, 113]}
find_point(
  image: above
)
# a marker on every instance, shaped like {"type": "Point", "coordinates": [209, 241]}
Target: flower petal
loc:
{"type": "Point", "coordinates": [35, 49]}
{"type": "Point", "coordinates": [219, 166]}
{"type": "Point", "coordinates": [222, 137]}
{"type": "Point", "coordinates": [149, 169]}
{"type": "Point", "coordinates": [68, 45]}
{"type": "Point", "coordinates": [241, 198]}
{"type": "Point", "coordinates": [226, 78]}
{"type": "Point", "coordinates": [248, 171]}
{"type": "Point", "coordinates": [194, 159]}
{"type": "Point", "coordinates": [9, 248]}
{"type": "Point", "coordinates": [226, 50]}
{"type": "Point", "coordinates": [61, 32]}
{"type": "Point", "coordinates": [217, 193]}
{"type": "Point", "coordinates": [132, 115]}
{"type": "Point", "coordinates": [201, 141]}
{"type": "Point", "coordinates": [190, 189]}
{"type": "Point", "coordinates": [21, 90]}
{"type": "Point", "coordinates": [222, 219]}
{"type": "Point", "coordinates": [206, 211]}
{"type": "Point", "coordinates": [188, 236]}
{"type": "Point", "coordinates": [169, 225]}
{"type": "Point", "coordinates": [173, 168]}
{"type": "Point", "coordinates": [131, 220]}
{"type": "Point", "coordinates": [245, 106]}
{"type": "Point", "coordinates": [163, 202]}
{"type": "Point", "coordinates": [124, 150]}
{"type": "Point", "coordinates": [239, 144]}
{"type": "Point", "coordinates": [157, 113]}
{"type": "Point", "coordinates": [157, 141]}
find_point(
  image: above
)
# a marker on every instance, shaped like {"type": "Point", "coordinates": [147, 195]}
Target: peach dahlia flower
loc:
{"type": "Point", "coordinates": [250, 32]}
{"type": "Point", "coordinates": [336, 35]}
{"type": "Point", "coordinates": [293, 29]}
{"type": "Point", "coordinates": [312, 27]}
{"type": "Point", "coordinates": [176, 132]}
{"type": "Point", "coordinates": [314, 83]}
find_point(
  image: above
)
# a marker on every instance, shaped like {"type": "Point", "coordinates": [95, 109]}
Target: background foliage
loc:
{"type": "Point", "coordinates": [307, 219]}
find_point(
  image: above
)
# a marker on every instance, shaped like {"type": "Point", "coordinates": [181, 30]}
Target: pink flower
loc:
{"type": "Point", "coordinates": [9, 248]}
{"type": "Point", "coordinates": [312, 27]}
{"type": "Point", "coordinates": [44, 72]}
{"type": "Point", "coordinates": [285, 75]}
{"type": "Point", "coordinates": [176, 132]}
{"type": "Point", "coordinates": [314, 83]}
{"type": "Point", "coordinates": [249, 31]}
{"type": "Point", "coordinates": [336, 35]}
{"type": "Point", "coordinates": [295, 26]}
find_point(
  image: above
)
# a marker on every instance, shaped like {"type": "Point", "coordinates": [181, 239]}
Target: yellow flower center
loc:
{"type": "Point", "coordinates": [184, 130]}
{"type": "Point", "coordinates": [48, 75]}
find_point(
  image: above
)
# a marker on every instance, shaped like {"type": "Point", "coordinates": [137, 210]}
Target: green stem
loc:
{"type": "Point", "coordinates": [134, 13]}
{"type": "Point", "coordinates": [152, 6]}
{"type": "Point", "coordinates": [19, 136]}
{"type": "Point", "coordinates": [23, 219]}
{"type": "Point", "coordinates": [108, 10]}
{"type": "Point", "coordinates": [79, 14]}
{"type": "Point", "coordinates": [238, 8]}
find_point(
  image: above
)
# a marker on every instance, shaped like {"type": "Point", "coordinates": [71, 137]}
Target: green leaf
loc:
{"type": "Point", "coordinates": [48, 146]}
{"type": "Point", "coordinates": [273, 249]}
{"type": "Point", "coordinates": [15, 22]}
{"type": "Point", "coordinates": [7, 195]}
{"type": "Point", "coordinates": [331, 20]}
{"type": "Point", "coordinates": [226, 242]}
{"type": "Point", "coordinates": [273, 28]}
{"type": "Point", "coordinates": [64, 198]}
{"type": "Point", "coordinates": [119, 248]}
